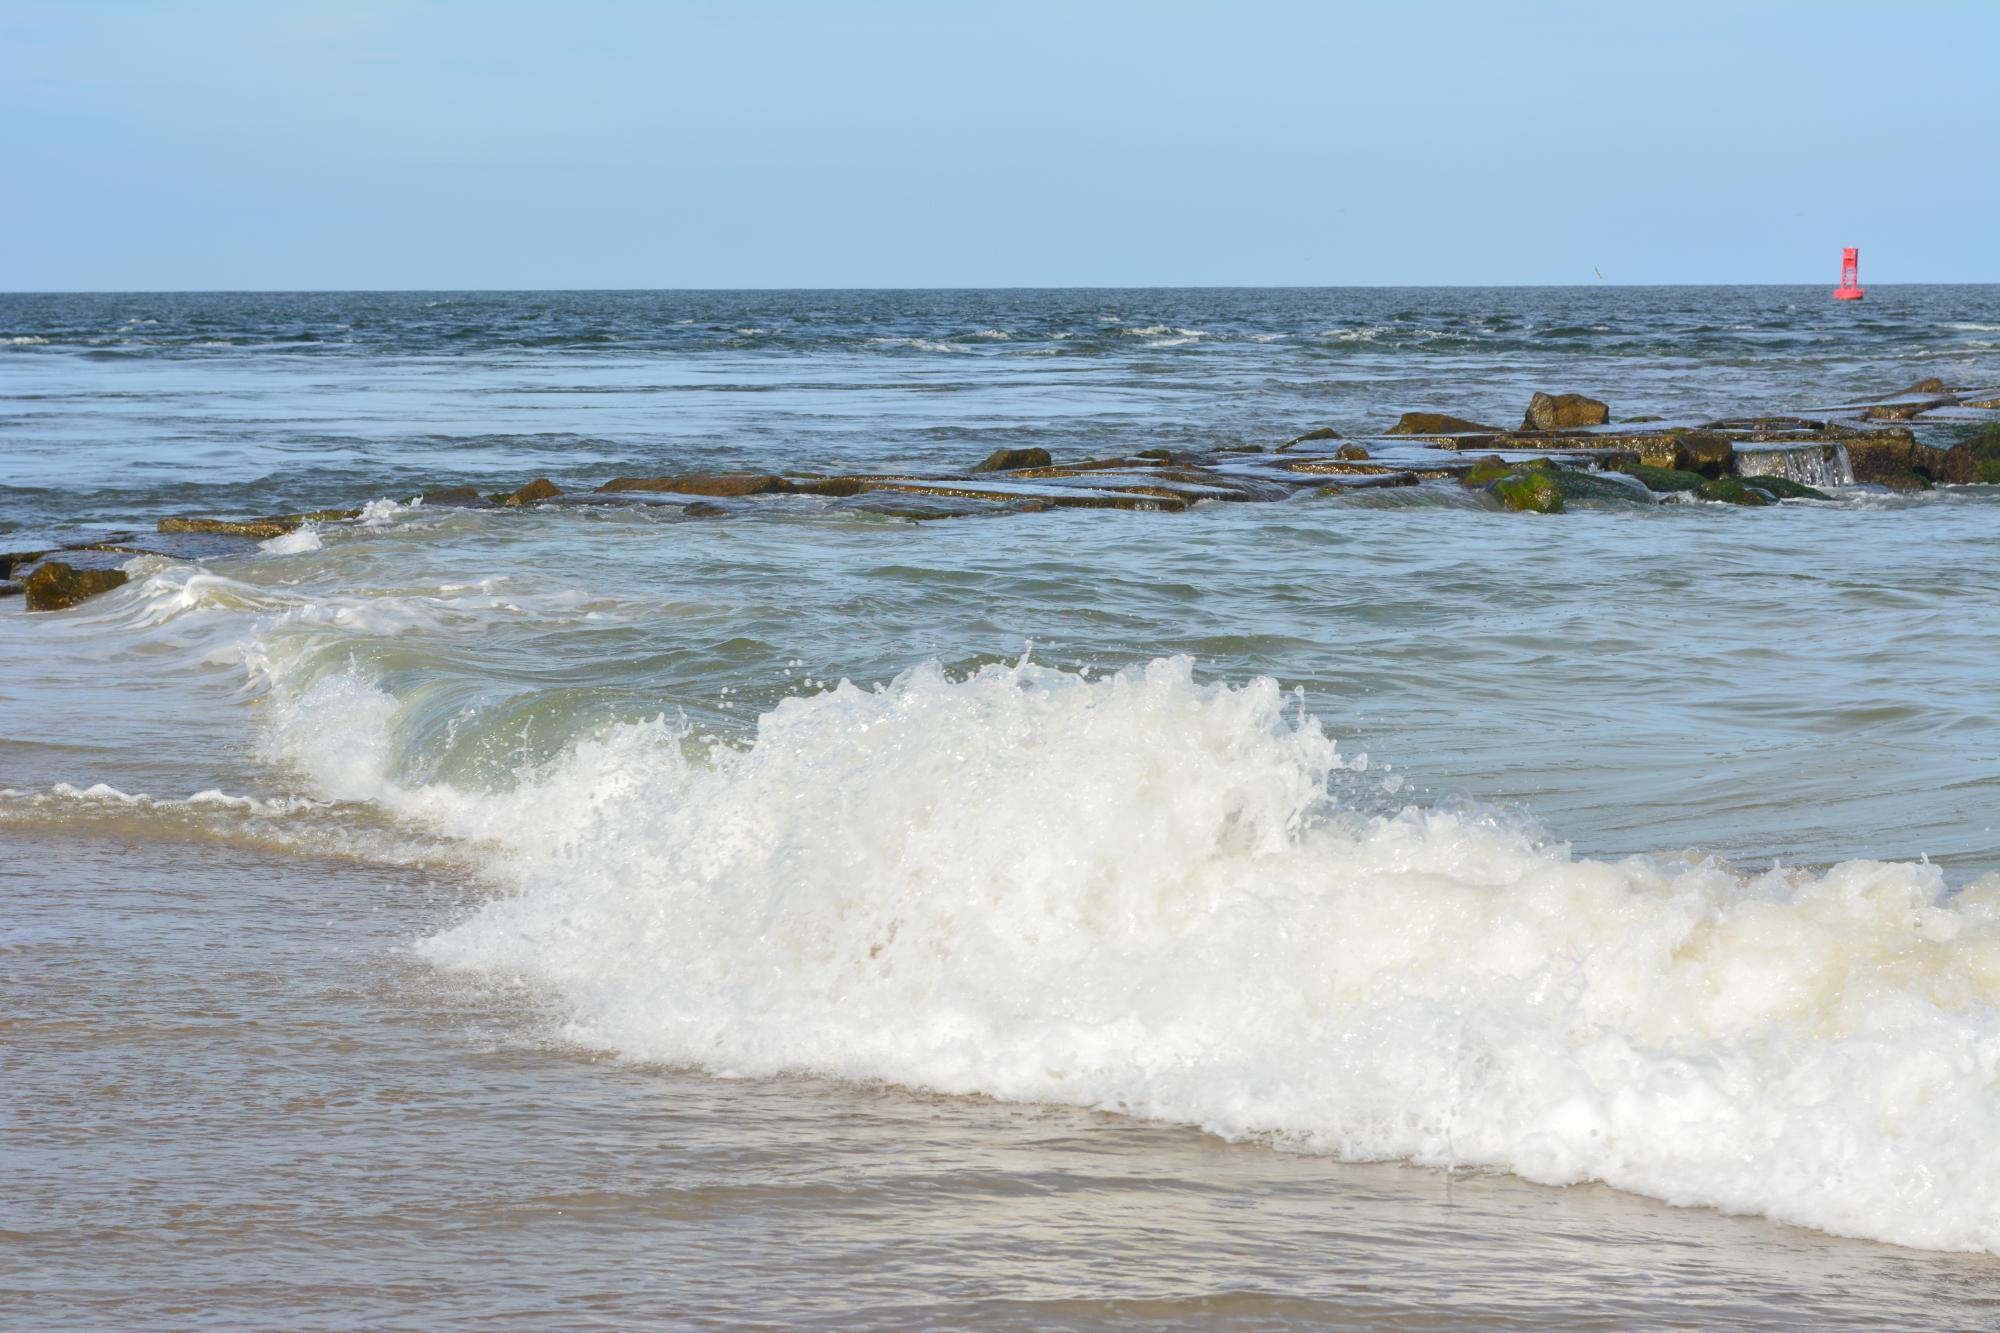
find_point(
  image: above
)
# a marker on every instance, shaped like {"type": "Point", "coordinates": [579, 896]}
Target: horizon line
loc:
{"type": "Point", "coordinates": [1004, 287]}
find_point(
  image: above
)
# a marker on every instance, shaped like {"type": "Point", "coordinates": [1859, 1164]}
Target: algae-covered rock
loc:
{"type": "Point", "coordinates": [837, 487]}
{"type": "Point", "coordinates": [536, 491]}
{"type": "Point", "coordinates": [722, 484]}
{"type": "Point", "coordinates": [1485, 471]}
{"type": "Point", "coordinates": [1564, 411]}
{"type": "Point", "coordinates": [1662, 479]}
{"type": "Point", "coordinates": [456, 497]}
{"type": "Point", "coordinates": [1784, 488]}
{"type": "Point", "coordinates": [1323, 433]}
{"type": "Point", "coordinates": [1731, 490]}
{"type": "Point", "coordinates": [1893, 458]}
{"type": "Point", "coordinates": [260, 528]}
{"type": "Point", "coordinates": [1535, 492]}
{"type": "Point", "coordinates": [1973, 462]}
{"type": "Point", "coordinates": [54, 585]}
{"type": "Point", "coordinates": [1576, 485]}
{"type": "Point", "coordinates": [1437, 423]}
{"type": "Point", "coordinates": [1354, 453]}
{"type": "Point", "coordinates": [1011, 460]}
{"type": "Point", "coordinates": [1700, 451]}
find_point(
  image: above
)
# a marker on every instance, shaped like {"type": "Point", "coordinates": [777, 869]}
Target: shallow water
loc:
{"type": "Point", "coordinates": [476, 980]}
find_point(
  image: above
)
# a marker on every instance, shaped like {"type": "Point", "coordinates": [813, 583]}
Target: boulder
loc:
{"type": "Point", "coordinates": [1534, 492]}
{"type": "Point", "coordinates": [456, 497]}
{"type": "Point", "coordinates": [1564, 411]}
{"type": "Point", "coordinates": [536, 491]}
{"type": "Point", "coordinates": [1894, 459]}
{"type": "Point", "coordinates": [260, 528]}
{"type": "Point", "coordinates": [1698, 451]}
{"type": "Point", "coordinates": [1578, 485]}
{"type": "Point", "coordinates": [1437, 423]}
{"type": "Point", "coordinates": [1353, 453]}
{"type": "Point", "coordinates": [704, 483]}
{"type": "Point", "coordinates": [1662, 479]}
{"type": "Point", "coordinates": [1732, 491]}
{"type": "Point", "coordinates": [1323, 433]}
{"type": "Point", "coordinates": [1485, 471]}
{"type": "Point", "coordinates": [54, 585]}
{"type": "Point", "coordinates": [837, 487]}
{"type": "Point", "coordinates": [1012, 460]}
{"type": "Point", "coordinates": [1973, 462]}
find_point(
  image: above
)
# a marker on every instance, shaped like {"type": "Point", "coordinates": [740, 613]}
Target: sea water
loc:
{"type": "Point", "coordinates": [1332, 911]}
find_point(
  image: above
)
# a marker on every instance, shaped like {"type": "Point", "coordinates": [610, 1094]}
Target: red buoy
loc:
{"type": "Point", "coordinates": [1850, 288]}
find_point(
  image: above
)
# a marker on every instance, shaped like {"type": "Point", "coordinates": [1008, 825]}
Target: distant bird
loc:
{"type": "Point", "coordinates": [1599, 272]}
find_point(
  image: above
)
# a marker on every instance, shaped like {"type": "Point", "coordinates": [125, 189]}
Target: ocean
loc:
{"type": "Point", "coordinates": [1353, 910]}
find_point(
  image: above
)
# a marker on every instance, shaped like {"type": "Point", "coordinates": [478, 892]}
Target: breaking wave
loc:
{"type": "Point", "coordinates": [1151, 895]}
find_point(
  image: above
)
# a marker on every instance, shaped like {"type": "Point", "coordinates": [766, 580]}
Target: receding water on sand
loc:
{"type": "Point", "coordinates": [1293, 912]}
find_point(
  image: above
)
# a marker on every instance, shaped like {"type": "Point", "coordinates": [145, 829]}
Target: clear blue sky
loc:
{"type": "Point", "coordinates": [441, 145]}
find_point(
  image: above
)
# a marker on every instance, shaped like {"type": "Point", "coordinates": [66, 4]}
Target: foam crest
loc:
{"type": "Point", "coordinates": [1137, 893]}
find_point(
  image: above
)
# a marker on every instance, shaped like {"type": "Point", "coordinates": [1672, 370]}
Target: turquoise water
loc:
{"type": "Point", "coordinates": [455, 912]}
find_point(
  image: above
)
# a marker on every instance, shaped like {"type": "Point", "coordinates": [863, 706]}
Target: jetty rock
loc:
{"type": "Point", "coordinates": [723, 484]}
{"type": "Point", "coordinates": [1439, 423]}
{"type": "Point", "coordinates": [1564, 411]}
{"type": "Point", "coordinates": [536, 491]}
{"type": "Point", "coordinates": [1699, 451]}
{"type": "Point", "coordinates": [1013, 460]}
{"type": "Point", "coordinates": [54, 585]}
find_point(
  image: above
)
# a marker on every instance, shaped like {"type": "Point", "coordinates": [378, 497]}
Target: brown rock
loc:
{"type": "Point", "coordinates": [1437, 423]}
{"type": "Point", "coordinates": [1697, 451]}
{"type": "Point", "coordinates": [1973, 462]}
{"type": "Point", "coordinates": [261, 529]}
{"type": "Point", "coordinates": [54, 585]}
{"type": "Point", "coordinates": [536, 491]}
{"type": "Point", "coordinates": [705, 483]}
{"type": "Point", "coordinates": [838, 487]}
{"type": "Point", "coordinates": [1895, 459]}
{"type": "Point", "coordinates": [1353, 452]}
{"type": "Point", "coordinates": [456, 497]}
{"type": "Point", "coordinates": [1323, 433]}
{"type": "Point", "coordinates": [1010, 460]}
{"type": "Point", "coordinates": [1564, 411]}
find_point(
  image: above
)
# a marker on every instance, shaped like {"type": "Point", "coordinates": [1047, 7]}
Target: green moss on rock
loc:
{"type": "Point", "coordinates": [1535, 492]}
{"type": "Point", "coordinates": [1662, 479]}
{"type": "Point", "coordinates": [1012, 460]}
{"type": "Point", "coordinates": [1731, 490]}
{"type": "Point", "coordinates": [1485, 471]}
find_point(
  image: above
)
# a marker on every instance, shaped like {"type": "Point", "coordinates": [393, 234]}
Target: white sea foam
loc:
{"type": "Point", "coordinates": [920, 344]}
{"type": "Point", "coordinates": [381, 513]}
{"type": "Point", "coordinates": [299, 541]}
{"type": "Point", "coordinates": [26, 340]}
{"type": "Point", "coordinates": [1135, 893]}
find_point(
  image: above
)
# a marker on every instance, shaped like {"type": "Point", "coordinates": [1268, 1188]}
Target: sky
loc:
{"type": "Point", "coordinates": [302, 145]}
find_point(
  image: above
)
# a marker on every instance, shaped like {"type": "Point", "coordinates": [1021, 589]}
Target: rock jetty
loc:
{"type": "Point", "coordinates": [1567, 453]}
